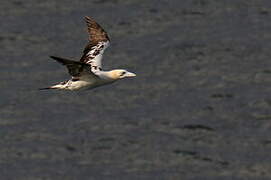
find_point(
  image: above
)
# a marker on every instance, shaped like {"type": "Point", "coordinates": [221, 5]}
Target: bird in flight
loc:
{"type": "Point", "coordinates": [88, 73]}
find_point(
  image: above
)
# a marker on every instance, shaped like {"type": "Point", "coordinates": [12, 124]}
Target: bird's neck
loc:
{"type": "Point", "coordinates": [110, 75]}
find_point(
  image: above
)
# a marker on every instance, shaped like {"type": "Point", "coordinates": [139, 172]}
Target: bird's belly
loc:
{"type": "Point", "coordinates": [77, 85]}
{"type": "Point", "coordinates": [86, 84]}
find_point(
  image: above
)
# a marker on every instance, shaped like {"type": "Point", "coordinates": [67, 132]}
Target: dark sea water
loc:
{"type": "Point", "coordinates": [199, 108]}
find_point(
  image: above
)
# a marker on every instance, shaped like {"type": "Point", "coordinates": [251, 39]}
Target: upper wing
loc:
{"type": "Point", "coordinates": [75, 68]}
{"type": "Point", "coordinates": [98, 42]}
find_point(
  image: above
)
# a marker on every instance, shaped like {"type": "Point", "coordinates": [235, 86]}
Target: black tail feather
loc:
{"type": "Point", "coordinates": [46, 88]}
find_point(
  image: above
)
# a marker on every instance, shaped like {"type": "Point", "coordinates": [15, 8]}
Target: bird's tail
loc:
{"type": "Point", "coordinates": [61, 85]}
{"type": "Point", "coordinates": [47, 88]}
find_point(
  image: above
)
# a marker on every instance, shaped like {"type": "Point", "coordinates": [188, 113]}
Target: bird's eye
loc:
{"type": "Point", "coordinates": [123, 73]}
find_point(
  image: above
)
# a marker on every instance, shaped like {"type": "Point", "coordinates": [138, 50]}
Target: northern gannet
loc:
{"type": "Point", "coordinates": [87, 73]}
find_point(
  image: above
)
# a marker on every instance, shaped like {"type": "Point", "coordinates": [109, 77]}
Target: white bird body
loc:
{"type": "Point", "coordinates": [85, 82]}
{"type": "Point", "coordinates": [88, 82]}
{"type": "Point", "coordinates": [87, 73]}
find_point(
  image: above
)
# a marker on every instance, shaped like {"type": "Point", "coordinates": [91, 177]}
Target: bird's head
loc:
{"type": "Point", "coordinates": [120, 74]}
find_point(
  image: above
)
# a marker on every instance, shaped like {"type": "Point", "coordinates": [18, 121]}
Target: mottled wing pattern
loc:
{"type": "Point", "coordinates": [76, 69]}
{"type": "Point", "coordinates": [98, 42]}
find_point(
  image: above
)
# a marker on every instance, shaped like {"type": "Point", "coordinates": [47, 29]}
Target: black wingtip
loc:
{"type": "Point", "coordinates": [59, 59]}
{"type": "Point", "coordinates": [64, 61]}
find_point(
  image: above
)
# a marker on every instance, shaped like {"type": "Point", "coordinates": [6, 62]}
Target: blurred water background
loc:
{"type": "Point", "coordinates": [199, 108]}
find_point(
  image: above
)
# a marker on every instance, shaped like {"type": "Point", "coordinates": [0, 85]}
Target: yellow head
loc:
{"type": "Point", "coordinates": [120, 74]}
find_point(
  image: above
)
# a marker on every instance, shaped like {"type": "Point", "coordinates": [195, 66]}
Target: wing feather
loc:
{"type": "Point", "coordinates": [98, 42]}
{"type": "Point", "coordinates": [75, 68]}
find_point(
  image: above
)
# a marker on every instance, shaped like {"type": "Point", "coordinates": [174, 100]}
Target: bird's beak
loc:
{"type": "Point", "coordinates": [129, 74]}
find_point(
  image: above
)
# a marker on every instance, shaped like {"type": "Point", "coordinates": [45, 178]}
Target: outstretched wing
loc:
{"type": "Point", "coordinates": [98, 42]}
{"type": "Point", "coordinates": [76, 69]}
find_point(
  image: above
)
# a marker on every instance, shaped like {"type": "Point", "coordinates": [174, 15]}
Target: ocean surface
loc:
{"type": "Point", "coordinates": [199, 108]}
